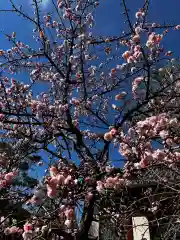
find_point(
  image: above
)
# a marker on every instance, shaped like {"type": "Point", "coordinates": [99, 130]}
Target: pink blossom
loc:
{"type": "Point", "coordinates": [60, 179]}
{"type": "Point", "coordinates": [9, 177]}
{"type": "Point", "coordinates": [3, 183]}
{"type": "Point", "coordinates": [177, 155]}
{"type": "Point", "coordinates": [138, 80]}
{"type": "Point", "coordinates": [139, 14]}
{"type": "Point", "coordinates": [53, 171]}
{"type": "Point", "coordinates": [53, 182]}
{"type": "Point", "coordinates": [75, 101]}
{"type": "Point", "coordinates": [136, 38]}
{"type": "Point", "coordinates": [40, 163]}
{"type": "Point", "coordinates": [62, 207]}
{"type": "Point", "coordinates": [100, 189]}
{"type": "Point", "coordinates": [110, 181]}
{"type": "Point", "coordinates": [108, 169]}
{"type": "Point", "coordinates": [173, 122]}
{"type": "Point", "coordinates": [87, 179]}
{"type": "Point", "coordinates": [108, 136]}
{"type": "Point", "coordinates": [60, 3]}
{"type": "Point", "coordinates": [131, 59]}
{"type": "Point", "coordinates": [113, 131]}
{"type": "Point", "coordinates": [15, 173]}
{"type": "Point", "coordinates": [169, 141]}
{"type": "Point", "coordinates": [55, 24]}
{"type": "Point", "coordinates": [144, 163]}
{"type": "Point", "coordinates": [118, 182]}
{"type": "Point", "coordinates": [28, 227]}
{"type": "Point", "coordinates": [89, 196]}
{"type": "Point", "coordinates": [68, 223]}
{"type": "Point", "coordinates": [164, 134]}
{"type": "Point", "coordinates": [51, 193]}
{"type": "Point", "coordinates": [2, 116]}
{"type": "Point", "coordinates": [121, 181]}
{"type": "Point", "coordinates": [121, 95]}
{"type": "Point", "coordinates": [138, 30]}
{"type": "Point", "coordinates": [7, 231]}
{"type": "Point", "coordinates": [138, 55]}
{"type": "Point", "coordinates": [131, 132]}
{"type": "Point", "coordinates": [126, 55]}
{"type": "Point", "coordinates": [100, 186]}
{"type": "Point", "coordinates": [27, 236]}
{"type": "Point", "coordinates": [177, 27]}
{"type": "Point", "coordinates": [13, 230]}
{"type": "Point", "coordinates": [69, 213]}
{"type": "Point", "coordinates": [147, 157]}
{"type": "Point", "coordinates": [67, 180]}
{"type": "Point", "coordinates": [158, 155]}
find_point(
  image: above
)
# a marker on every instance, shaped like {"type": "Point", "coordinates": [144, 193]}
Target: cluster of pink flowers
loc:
{"type": "Point", "coordinates": [138, 93]}
{"type": "Point", "coordinates": [140, 13]}
{"type": "Point", "coordinates": [67, 214]}
{"type": "Point", "coordinates": [110, 135]}
{"type": "Point", "coordinates": [135, 53]}
{"type": "Point", "coordinates": [28, 231]}
{"type": "Point", "coordinates": [71, 13]}
{"type": "Point", "coordinates": [154, 40]}
{"type": "Point", "coordinates": [56, 180]}
{"type": "Point", "coordinates": [12, 230]}
{"type": "Point", "coordinates": [138, 141]}
{"type": "Point", "coordinates": [49, 22]}
{"type": "Point", "coordinates": [115, 183]}
{"type": "Point", "coordinates": [18, 50]}
{"type": "Point", "coordinates": [177, 27]}
{"type": "Point", "coordinates": [28, 228]}
{"type": "Point", "coordinates": [59, 3]}
{"type": "Point", "coordinates": [121, 96]}
{"type": "Point", "coordinates": [6, 179]}
{"type": "Point", "coordinates": [76, 89]}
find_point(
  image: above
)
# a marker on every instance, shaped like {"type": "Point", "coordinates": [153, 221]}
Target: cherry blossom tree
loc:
{"type": "Point", "coordinates": [101, 93]}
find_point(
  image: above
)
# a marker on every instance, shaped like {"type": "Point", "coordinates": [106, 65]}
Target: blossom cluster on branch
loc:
{"type": "Point", "coordinates": [99, 93]}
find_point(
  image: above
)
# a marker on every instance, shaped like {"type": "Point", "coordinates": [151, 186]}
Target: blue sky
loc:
{"type": "Point", "coordinates": [109, 18]}
{"type": "Point", "coordinates": [109, 21]}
